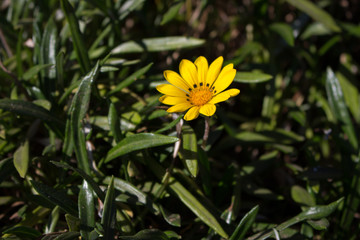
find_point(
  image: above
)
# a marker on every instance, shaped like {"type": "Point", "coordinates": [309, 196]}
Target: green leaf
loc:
{"type": "Point", "coordinates": [85, 176]}
{"type": "Point", "coordinates": [319, 225]}
{"type": "Point", "coordinates": [171, 125]}
{"type": "Point", "coordinates": [315, 29]}
{"type": "Point", "coordinates": [73, 223]}
{"type": "Point", "coordinates": [21, 158]}
{"type": "Point", "coordinates": [114, 123]}
{"type": "Point", "coordinates": [188, 150]}
{"type": "Point", "coordinates": [86, 208]}
{"type": "Point", "coordinates": [60, 71]}
{"type": "Point", "coordinates": [285, 31]}
{"type": "Point", "coordinates": [301, 196]}
{"type": "Point", "coordinates": [128, 7]}
{"type": "Point", "coordinates": [108, 218]}
{"type": "Point", "coordinates": [29, 109]}
{"type": "Point", "coordinates": [157, 45]}
{"type": "Point", "coordinates": [351, 95]}
{"type": "Point", "coordinates": [129, 80]}
{"type": "Point", "coordinates": [78, 109]}
{"type": "Point", "coordinates": [137, 142]}
{"type": "Point", "coordinates": [48, 54]}
{"type": "Point", "coordinates": [35, 70]}
{"type": "Point", "coordinates": [338, 106]}
{"type": "Point", "coordinates": [245, 223]}
{"type": "Point", "coordinates": [313, 213]}
{"type": "Point", "coordinates": [187, 198]}
{"type": "Point", "coordinates": [276, 136]}
{"type": "Point", "coordinates": [316, 13]}
{"type": "Point", "coordinates": [251, 77]}
{"type": "Point", "coordinates": [172, 12]}
{"type": "Point", "coordinates": [147, 234]}
{"type": "Point", "coordinates": [140, 196]}
{"type": "Point", "coordinates": [59, 198]}
{"type": "Point", "coordinates": [78, 42]}
{"type": "Point", "coordinates": [23, 232]}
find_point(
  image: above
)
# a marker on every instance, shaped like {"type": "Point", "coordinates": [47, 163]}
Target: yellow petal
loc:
{"type": "Point", "coordinates": [214, 70]}
{"type": "Point", "coordinates": [181, 107]}
{"type": "Point", "coordinates": [169, 100]}
{"type": "Point", "coordinates": [171, 90]}
{"type": "Point", "coordinates": [202, 69]}
{"type": "Point", "coordinates": [224, 80]}
{"type": "Point", "coordinates": [224, 95]}
{"type": "Point", "coordinates": [192, 113]}
{"type": "Point", "coordinates": [188, 72]}
{"type": "Point", "coordinates": [208, 109]}
{"type": "Point", "coordinates": [175, 79]}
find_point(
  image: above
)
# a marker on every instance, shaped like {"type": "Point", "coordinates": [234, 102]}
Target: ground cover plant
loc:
{"type": "Point", "coordinates": [94, 145]}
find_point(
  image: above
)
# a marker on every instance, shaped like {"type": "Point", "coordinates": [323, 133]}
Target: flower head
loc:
{"type": "Point", "coordinates": [198, 87]}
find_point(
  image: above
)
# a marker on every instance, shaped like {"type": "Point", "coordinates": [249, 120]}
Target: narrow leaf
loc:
{"type": "Point", "coordinates": [57, 197]}
{"type": "Point", "coordinates": [188, 150]}
{"type": "Point", "coordinates": [78, 42]}
{"type": "Point", "coordinates": [35, 70]}
{"type": "Point", "coordinates": [29, 109]}
{"type": "Point", "coordinates": [316, 13]}
{"type": "Point", "coordinates": [187, 198]}
{"type": "Point", "coordinates": [316, 212]}
{"type": "Point", "coordinates": [251, 77]}
{"type": "Point", "coordinates": [157, 45]}
{"type": "Point", "coordinates": [108, 219]}
{"type": "Point", "coordinates": [137, 142]}
{"type": "Point", "coordinates": [85, 176]}
{"type": "Point", "coordinates": [23, 232]}
{"type": "Point", "coordinates": [86, 207]}
{"type": "Point", "coordinates": [133, 77]}
{"type": "Point", "coordinates": [78, 110]}
{"type": "Point", "coordinates": [172, 12]}
{"type": "Point", "coordinates": [338, 106]}
{"type": "Point", "coordinates": [245, 223]}
{"type": "Point", "coordinates": [130, 189]}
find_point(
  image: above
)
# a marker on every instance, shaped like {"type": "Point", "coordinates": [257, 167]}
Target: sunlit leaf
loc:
{"type": "Point", "coordinates": [157, 45]}
{"type": "Point", "coordinates": [137, 142]}
{"type": "Point", "coordinates": [251, 77]}
{"type": "Point", "coordinates": [21, 158]}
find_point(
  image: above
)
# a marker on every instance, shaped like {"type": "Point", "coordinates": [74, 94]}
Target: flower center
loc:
{"type": "Point", "coordinates": [200, 97]}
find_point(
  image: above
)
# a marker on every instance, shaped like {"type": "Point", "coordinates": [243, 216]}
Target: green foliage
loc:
{"type": "Point", "coordinates": [87, 150]}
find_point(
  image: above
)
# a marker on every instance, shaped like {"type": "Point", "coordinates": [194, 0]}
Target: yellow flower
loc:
{"type": "Point", "coordinates": [198, 88]}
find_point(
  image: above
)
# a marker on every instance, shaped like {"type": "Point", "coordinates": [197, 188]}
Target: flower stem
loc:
{"type": "Point", "coordinates": [206, 133]}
